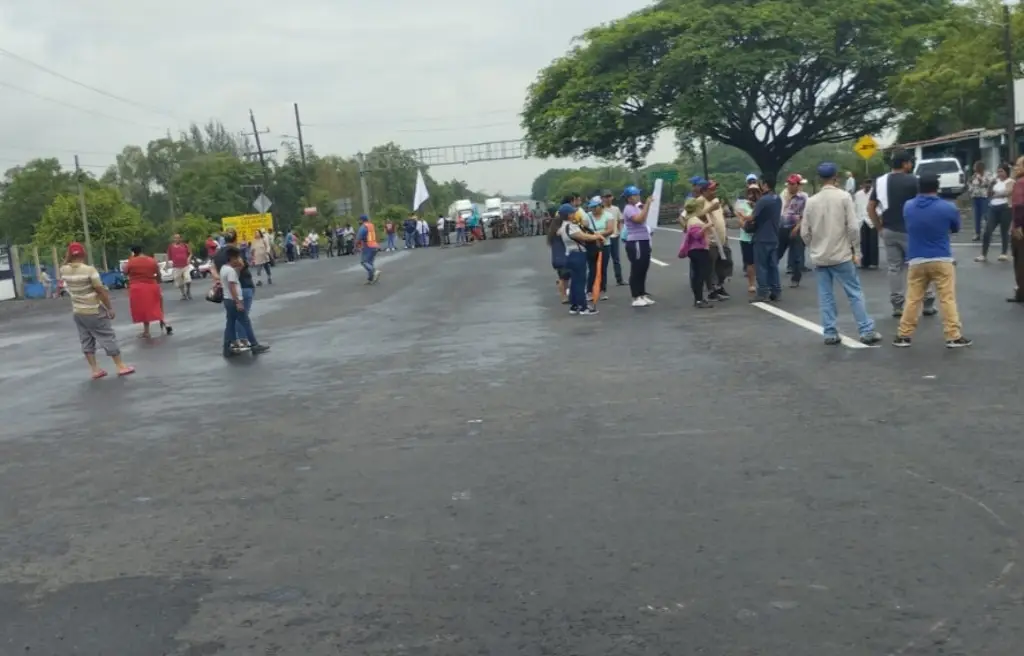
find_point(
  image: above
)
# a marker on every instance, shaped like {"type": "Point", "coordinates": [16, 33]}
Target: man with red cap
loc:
{"type": "Point", "coordinates": [92, 310]}
{"type": "Point", "coordinates": [794, 200]}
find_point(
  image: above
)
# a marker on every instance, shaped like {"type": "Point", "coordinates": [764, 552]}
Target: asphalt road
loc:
{"type": "Point", "coordinates": [447, 463]}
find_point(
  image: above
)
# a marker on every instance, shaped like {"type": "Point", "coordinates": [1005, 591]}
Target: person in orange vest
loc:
{"type": "Point", "coordinates": [367, 238]}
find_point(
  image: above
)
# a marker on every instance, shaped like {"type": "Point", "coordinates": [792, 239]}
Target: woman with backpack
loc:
{"type": "Point", "coordinates": [574, 240]}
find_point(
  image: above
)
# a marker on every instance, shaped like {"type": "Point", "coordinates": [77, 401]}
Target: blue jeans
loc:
{"type": "Point", "coordinates": [410, 239]}
{"type": "Point", "coordinates": [794, 246]}
{"type": "Point", "coordinates": [248, 294]}
{"type": "Point", "coordinates": [980, 206]}
{"type": "Point", "coordinates": [392, 241]}
{"type": "Point", "coordinates": [368, 256]}
{"type": "Point", "coordinates": [846, 274]}
{"type": "Point", "coordinates": [460, 236]}
{"type": "Point", "coordinates": [577, 264]}
{"type": "Point", "coordinates": [766, 266]}
{"type": "Point", "coordinates": [613, 248]}
{"type": "Point", "coordinates": [237, 326]}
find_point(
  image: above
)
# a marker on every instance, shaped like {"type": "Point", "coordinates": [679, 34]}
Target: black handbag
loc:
{"type": "Point", "coordinates": [724, 264]}
{"type": "Point", "coordinates": [216, 293]}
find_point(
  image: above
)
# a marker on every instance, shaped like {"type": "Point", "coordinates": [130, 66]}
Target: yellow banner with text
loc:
{"type": "Point", "coordinates": [246, 225]}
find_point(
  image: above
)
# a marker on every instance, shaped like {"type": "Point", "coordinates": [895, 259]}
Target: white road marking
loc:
{"type": "Point", "coordinates": [659, 262]}
{"type": "Point", "coordinates": [804, 323]}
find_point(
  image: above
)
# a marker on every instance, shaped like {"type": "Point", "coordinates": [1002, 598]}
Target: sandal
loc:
{"type": "Point", "coordinates": [96, 375]}
{"type": "Point", "coordinates": [127, 371]}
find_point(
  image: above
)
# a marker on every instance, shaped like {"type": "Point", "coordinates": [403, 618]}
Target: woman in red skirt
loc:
{"type": "Point", "coordinates": [145, 299]}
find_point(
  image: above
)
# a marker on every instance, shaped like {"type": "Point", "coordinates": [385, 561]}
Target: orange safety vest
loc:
{"type": "Point", "coordinates": [371, 235]}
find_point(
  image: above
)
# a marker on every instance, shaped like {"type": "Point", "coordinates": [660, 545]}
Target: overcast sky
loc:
{"type": "Point", "coordinates": [418, 73]}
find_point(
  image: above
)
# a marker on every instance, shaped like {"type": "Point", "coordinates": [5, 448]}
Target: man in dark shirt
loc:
{"type": "Point", "coordinates": [245, 281]}
{"type": "Point", "coordinates": [885, 208]}
{"type": "Point", "coordinates": [767, 217]}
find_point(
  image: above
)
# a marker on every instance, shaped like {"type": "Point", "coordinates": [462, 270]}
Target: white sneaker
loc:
{"type": "Point", "coordinates": [640, 302]}
{"type": "Point", "coordinates": [650, 301]}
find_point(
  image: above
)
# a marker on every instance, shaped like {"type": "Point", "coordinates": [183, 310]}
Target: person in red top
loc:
{"type": "Point", "coordinates": [1017, 230]}
{"type": "Point", "coordinates": [389, 229]}
{"type": "Point", "coordinates": [145, 300]}
{"type": "Point", "coordinates": [211, 247]}
{"type": "Point", "coordinates": [180, 257]}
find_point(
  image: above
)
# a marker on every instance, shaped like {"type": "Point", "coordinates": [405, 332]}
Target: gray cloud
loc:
{"type": "Point", "coordinates": [418, 73]}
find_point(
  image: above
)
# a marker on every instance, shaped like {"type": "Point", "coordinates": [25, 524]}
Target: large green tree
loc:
{"type": "Point", "coordinates": [25, 193]}
{"type": "Point", "coordinates": [114, 224]}
{"type": "Point", "coordinates": [769, 77]}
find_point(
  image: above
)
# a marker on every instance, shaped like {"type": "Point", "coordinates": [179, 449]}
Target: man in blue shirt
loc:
{"type": "Point", "coordinates": [929, 220]}
{"type": "Point", "coordinates": [767, 217]}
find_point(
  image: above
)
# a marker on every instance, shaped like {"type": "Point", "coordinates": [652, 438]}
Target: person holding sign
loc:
{"type": "Point", "coordinates": [638, 246]}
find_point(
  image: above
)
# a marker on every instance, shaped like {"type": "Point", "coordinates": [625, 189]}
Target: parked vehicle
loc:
{"type": "Point", "coordinates": [952, 180]}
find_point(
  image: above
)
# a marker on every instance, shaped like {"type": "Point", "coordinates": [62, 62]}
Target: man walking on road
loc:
{"type": "Point", "coordinates": [929, 222]}
{"type": "Point", "coordinates": [890, 195]}
{"type": "Point", "coordinates": [367, 237]}
{"type": "Point", "coordinates": [767, 219]}
{"type": "Point", "coordinates": [830, 230]}
{"type": "Point", "coordinates": [180, 256]}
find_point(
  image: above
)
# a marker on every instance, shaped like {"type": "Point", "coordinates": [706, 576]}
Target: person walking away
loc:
{"type": "Point", "coordinates": [979, 188]}
{"type": "Point", "coordinates": [574, 239]}
{"type": "Point", "coordinates": [998, 214]}
{"type": "Point", "coordinates": [145, 300]}
{"type": "Point", "coordinates": [890, 195]}
{"type": "Point", "coordinates": [389, 230]}
{"type": "Point", "coordinates": [460, 230]}
{"type": "Point", "coordinates": [180, 257]}
{"type": "Point", "coordinates": [638, 246]}
{"type": "Point", "coordinates": [929, 220]}
{"type": "Point", "coordinates": [237, 317]}
{"type": "Point", "coordinates": [766, 222]}
{"type": "Point", "coordinates": [831, 230]}
{"type": "Point", "coordinates": [868, 233]}
{"type": "Point", "coordinates": [614, 216]}
{"type": "Point", "coordinates": [367, 238]}
{"type": "Point", "coordinates": [718, 239]}
{"type": "Point", "coordinates": [794, 199]}
{"type": "Point", "coordinates": [1017, 231]}
{"type": "Point", "coordinates": [260, 253]}
{"type": "Point", "coordinates": [601, 223]}
{"type": "Point", "coordinates": [559, 259]}
{"type": "Point", "coordinates": [851, 183]}
{"type": "Point", "coordinates": [695, 247]}
{"type": "Point", "coordinates": [744, 208]}
{"type": "Point", "coordinates": [92, 311]}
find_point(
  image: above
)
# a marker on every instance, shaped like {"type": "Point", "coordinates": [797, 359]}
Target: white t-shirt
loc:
{"type": "Point", "coordinates": [228, 277]}
{"type": "Point", "coordinates": [314, 238]}
{"type": "Point", "coordinates": [1001, 192]}
{"type": "Point", "coordinates": [440, 223]}
{"type": "Point", "coordinates": [613, 213]}
{"type": "Point", "coordinates": [571, 245]}
{"type": "Point", "coordinates": [860, 203]}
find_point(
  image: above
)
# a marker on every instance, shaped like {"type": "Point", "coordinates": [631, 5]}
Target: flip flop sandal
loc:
{"type": "Point", "coordinates": [126, 372]}
{"type": "Point", "coordinates": [99, 374]}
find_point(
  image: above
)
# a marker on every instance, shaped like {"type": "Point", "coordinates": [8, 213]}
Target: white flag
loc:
{"type": "Point", "coordinates": [421, 192]}
{"type": "Point", "coordinates": [652, 213]}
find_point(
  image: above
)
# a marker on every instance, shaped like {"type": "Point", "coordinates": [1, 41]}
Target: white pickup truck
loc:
{"type": "Point", "coordinates": [952, 180]}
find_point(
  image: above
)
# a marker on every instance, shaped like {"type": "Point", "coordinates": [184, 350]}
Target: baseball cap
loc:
{"type": "Point", "coordinates": [75, 249]}
{"type": "Point", "coordinates": [595, 202]}
{"type": "Point", "coordinates": [751, 177]}
{"type": "Point", "coordinates": [631, 190]}
{"type": "Point", "coordinates": [708, 185]}
{"type": "Point", "coordinates": [363, 217]}
{"type": "Point", "coordinates": [697, 180]}
{"type": "Point", "coordinates": [607, 193]}
{"type": "Point", "coordinates": [566, 209]}
{"type": "Point", "coordinates": [827, 170]}
{"type": "Point", "coordinates": [794, 179]}
{"type": "Point", "coordinates": [900, 157]}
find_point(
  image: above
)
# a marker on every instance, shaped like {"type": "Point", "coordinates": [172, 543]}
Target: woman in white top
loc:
{"type": "Point", "coordinates": [868, 232]}
{"type": "Point", "coordinates": [998, 214]}
{"type": "Point", "coordinates": [574, 237]}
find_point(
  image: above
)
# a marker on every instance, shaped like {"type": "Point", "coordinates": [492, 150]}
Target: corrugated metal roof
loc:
{"type": "Point", "coordinates": [962, 135]}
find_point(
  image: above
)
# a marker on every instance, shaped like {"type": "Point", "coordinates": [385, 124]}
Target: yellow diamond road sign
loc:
{"type": "Point", "coordinates": [866, 146]}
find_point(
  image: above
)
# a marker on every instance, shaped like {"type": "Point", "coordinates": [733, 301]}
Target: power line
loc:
{"type": "Point", "coordinates": [463, 127]}
{"type": "Point", "coordinates": [70, 151]}
{"type": "Point", "coordinates": [423, 119]}
{"type": "Point", "coordinates": [79, 108]}
{"type": "Point", "coordinates": [114, 96]}
{"type": "Point", "coordinates": [22, 162]}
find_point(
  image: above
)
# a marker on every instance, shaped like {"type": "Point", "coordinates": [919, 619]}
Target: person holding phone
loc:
{"type": "Point", "coordinates": [234, 306]}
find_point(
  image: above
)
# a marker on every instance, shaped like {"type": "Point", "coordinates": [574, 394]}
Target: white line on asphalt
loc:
{"type": "Point", "coordinates": [658, 262]}
{"type": "Point", "coordinates": [804, 323]}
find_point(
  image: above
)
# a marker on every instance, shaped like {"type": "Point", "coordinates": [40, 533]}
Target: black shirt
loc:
{"type": "Point", "coordinates": [900, 187]}
{"type": "Point", "coordinates": [220, 258]}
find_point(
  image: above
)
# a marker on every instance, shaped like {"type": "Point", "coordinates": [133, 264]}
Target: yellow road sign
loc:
{"type": "Point", "coordinates": [866, 146]}
{"type": "Point", "coordinates": [246, 225]}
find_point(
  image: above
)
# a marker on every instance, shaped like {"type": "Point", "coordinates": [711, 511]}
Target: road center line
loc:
{"type": "Point", "coordinates": [804, 323]}
{"type": "Point", "coordinates": [659, 262]}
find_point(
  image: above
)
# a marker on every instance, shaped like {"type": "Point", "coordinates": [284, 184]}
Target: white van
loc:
{"type": "Point", "coordinates": [952, 180]}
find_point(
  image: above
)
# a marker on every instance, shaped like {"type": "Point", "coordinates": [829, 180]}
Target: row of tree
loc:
{"type": "Point", "coordinates": [186, 185]}
{"type": "Point", "coordinates": [770, 79]}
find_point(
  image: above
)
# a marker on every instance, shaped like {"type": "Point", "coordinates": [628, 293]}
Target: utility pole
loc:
{"type": "Point", "coordinates": [170, 192]}
{"type": "Point", "coordinates": [704, 154]}
{"type": "Point", "coordinates": [302, 156]}
{"type": "Point", "coordinates": [81, 209]}
{"type": "Point", "coordinates": [365, 192]}
{"type": "Point", "coordinates": [1011, 105]}
{"type": "Point", "coordinates": [260, 152]}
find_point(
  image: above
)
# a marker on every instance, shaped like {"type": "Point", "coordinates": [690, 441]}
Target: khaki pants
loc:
{"type": "Point", "coordinates": [919, 278]}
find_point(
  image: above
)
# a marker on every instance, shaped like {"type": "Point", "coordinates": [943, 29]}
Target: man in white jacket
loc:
{"type": "Point", "coordinates": [831, 231]}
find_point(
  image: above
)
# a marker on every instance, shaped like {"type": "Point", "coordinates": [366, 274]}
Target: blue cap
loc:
{"type": "Point", "coordinates": [751, 177]}
{"type": "Point", "coordinates": [363, 217]}
{"type": "Point", "coordinates": [696, 180]}
{"type": "Point", "coordinates": [594, 202]}
{"type": "Point", "coordinates": [566, 209]}
{"type": "Point", "coordinates": [827, 170]}
{"type": "Point", "coordinates": [631, 190]}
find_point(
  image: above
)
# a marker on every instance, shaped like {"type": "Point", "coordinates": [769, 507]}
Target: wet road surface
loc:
{"type": "Point", "coordinates": [446, 463]}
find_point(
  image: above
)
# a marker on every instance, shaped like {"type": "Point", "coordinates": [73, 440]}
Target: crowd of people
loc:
{"type": "Point", "coordinates": [838, 231]}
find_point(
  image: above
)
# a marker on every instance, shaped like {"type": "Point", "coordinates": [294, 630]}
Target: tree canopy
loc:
{"type": "Point", "coordinates": [767, 77]}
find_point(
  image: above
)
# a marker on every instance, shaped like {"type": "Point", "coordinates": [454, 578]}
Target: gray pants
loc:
{"type": "Point", "coordinates": [896, 257]}
{"type": "Point", "coordinates": [96, 329]}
